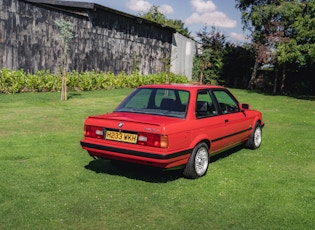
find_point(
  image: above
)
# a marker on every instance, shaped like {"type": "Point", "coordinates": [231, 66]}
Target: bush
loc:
{"type": "Point", "coordinates": [17, 81]}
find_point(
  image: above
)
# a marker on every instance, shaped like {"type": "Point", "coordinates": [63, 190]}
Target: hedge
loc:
{"type": "Point", "coordinates": [18, 81]}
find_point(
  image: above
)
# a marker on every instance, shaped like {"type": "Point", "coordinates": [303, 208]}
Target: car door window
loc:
{"type": "Point", "coordinates": [204, 105]}
{"type": "Point", "coordinates": [226, 102]}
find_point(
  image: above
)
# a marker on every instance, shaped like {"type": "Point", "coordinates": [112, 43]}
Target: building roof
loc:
{"type": "Point", "coordinates": [80, 7]}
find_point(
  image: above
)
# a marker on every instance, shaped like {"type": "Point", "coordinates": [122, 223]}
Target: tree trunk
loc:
{"type": "Point", "coordinates": [200, 78]}
{"type": "Point", "coordinates": [64, 96]}
{"type": "Point", "coordinates": [203, 67]}
{"type": "Point", "coordinates": [253, 77]}
{"type": "Point", "coordinates": [284, 70]}
{"type": "Point", "coordinates": [275, 83]}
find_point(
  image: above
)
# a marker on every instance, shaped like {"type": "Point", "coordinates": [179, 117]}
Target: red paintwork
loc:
{"type": "Point", "coordinates": [183, 134]}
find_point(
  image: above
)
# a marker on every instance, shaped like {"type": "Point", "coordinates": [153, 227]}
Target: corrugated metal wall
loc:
{"type": "Point", "coordinates": [183, 52]}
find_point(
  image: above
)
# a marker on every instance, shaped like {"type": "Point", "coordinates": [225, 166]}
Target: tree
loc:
{"type": "Point", "coordinates": [237, 63]}
{"type": "Point", "coordinates": [209, 63]}
{"type": "Point", "coordinates": [282, 33]}
{"type": "Point", "coordinates": [299, 49]}
{"type": "Point", "coordinates": [213, 39]}
{"type": "Point", "coordinates": [263, 21]}
{"type": "Point", "coordinates": [155, 15]}
{"type": "Point", "coordinates": [66, 34]}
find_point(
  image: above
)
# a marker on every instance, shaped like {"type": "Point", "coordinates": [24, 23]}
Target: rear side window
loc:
{"type": "Point", "coordinates": [204, 105]}
{"type": "Point", "coordinates": [171, 100]}
{"type": "Point", "coordinates": [226, 102]}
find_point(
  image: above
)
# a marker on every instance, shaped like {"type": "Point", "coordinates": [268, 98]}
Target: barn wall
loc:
{"type": "Point", "coordinates": [183, 53]}
{"type": "Point", "coordinates": [103, 40]}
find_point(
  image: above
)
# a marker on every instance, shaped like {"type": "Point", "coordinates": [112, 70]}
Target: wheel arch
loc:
{"type": "Point", "coordinates": [258, 120]}
{"type": "Point", "coordinates": [197, 141]}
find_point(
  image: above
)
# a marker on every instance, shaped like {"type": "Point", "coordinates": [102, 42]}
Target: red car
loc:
{"type": "Point", "coordinates": [172, 125]}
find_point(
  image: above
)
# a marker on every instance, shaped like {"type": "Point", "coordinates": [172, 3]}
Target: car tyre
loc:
{"type": "Point", "coordinates": [255, 138]}
{"type": "Point", "coordinates": [198, 162]}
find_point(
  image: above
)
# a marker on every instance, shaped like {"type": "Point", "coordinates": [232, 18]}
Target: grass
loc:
{"type": "Point", "coordinates": [48, 182]}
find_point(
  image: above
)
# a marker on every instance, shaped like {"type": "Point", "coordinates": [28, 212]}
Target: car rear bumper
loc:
{"type": "Point", "coordinates": [159, 160]}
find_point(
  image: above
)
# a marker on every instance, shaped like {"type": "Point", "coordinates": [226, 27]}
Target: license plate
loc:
{"type": "Point", "coordinates": [121, 136]}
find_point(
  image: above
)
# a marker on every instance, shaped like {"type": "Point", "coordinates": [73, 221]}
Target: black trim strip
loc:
{"type": "Point", "coordinates": [231, 135]}
{"type": "Point", "coordinates": [136, 153]}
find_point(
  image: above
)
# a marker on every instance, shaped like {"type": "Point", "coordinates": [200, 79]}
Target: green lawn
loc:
{"type": "Point", "coordinates": [48, 182]}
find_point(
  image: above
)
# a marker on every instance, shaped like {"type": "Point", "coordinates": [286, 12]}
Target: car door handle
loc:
{"type": "Point", "coordinates": [226, 121]}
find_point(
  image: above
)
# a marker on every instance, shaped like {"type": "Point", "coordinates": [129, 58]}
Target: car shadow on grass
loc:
{"type": "Point", "coordinates": [146, 173]}
{"type": "Point", "coordinates": [132, 171]}
{"type": "Point", "coordinates": [226, 153]}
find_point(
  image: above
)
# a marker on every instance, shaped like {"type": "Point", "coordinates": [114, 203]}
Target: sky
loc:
{"type": "Point", "coordinates": [196, 14]}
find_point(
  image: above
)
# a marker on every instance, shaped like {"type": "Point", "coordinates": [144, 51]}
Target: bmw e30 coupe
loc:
{"type": "Point", "coordinates": [172, 125]}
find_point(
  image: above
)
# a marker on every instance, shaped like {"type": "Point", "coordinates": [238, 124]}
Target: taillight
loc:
{"type": "Point", "coordinates": [93, 131]}
{"type": "Point", "coordinates": [153, 140]}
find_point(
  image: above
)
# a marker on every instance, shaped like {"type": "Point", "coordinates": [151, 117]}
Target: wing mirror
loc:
{"type": "Point", "coordinates": [245, 106]}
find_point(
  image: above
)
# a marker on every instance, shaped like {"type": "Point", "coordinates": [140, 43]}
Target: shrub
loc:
{"type": "Point", "coordinates": [17, 81]}
{"type": "Point", "coordinates": [12, 81]}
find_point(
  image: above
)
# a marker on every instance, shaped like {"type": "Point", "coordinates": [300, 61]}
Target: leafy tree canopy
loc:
{"type": "Point", "coordinates": [283, 32]}
{"type": "Point", "coordinates": [208, 63]}
{"type": "Point", "coordinates": [287, 27]}
{"type": "Point", "coordinates": [155, 15]}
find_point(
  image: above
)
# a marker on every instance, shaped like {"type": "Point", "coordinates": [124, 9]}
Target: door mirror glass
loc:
{"type": "Point", "coordinates": [245, 106]}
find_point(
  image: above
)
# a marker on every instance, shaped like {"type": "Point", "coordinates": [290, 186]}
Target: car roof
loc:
{"type": "Point", "coordinates": [182, 86]}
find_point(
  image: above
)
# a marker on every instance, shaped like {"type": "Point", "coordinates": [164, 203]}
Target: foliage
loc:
{"type": "Point", "coordinates": [213, 39]}
{"type": "Point", "coordinates": [155, 15]}
{"type": "Point", "coordinates": [207, 67]}
{"type": "Point", "coordinates": [48, 182]}
{"type": "Point", "coordinates": [300, 48]}
{"type": "Point", "coordinates": [237, 65]}
{"type": "Point", "coordinates": [66, 30]}
{"type": "Point", "coordinates": [283, 34]}
{"type": "Point", "coordinates": [208, 64]}
{"type": "Point", "coordinates": [43, 81]}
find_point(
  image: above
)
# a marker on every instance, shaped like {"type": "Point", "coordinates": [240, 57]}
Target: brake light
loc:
{"type": "Point", "coordinates": [93, 131]}
{"type": "Point", "coordinates": [153, 140]}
